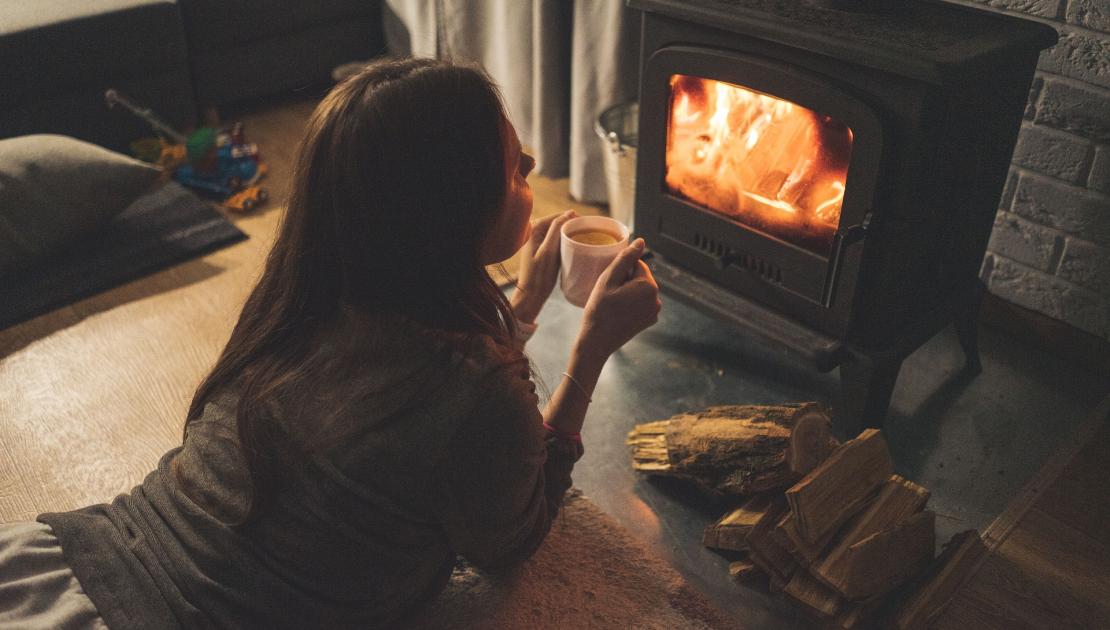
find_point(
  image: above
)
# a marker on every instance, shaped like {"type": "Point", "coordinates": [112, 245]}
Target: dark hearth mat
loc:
{"type": "Point", "coordinates": [161, 228]}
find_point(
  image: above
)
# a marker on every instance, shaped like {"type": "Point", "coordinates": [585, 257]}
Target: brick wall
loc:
{"type": "Point", "coordinates": [1050, 249]}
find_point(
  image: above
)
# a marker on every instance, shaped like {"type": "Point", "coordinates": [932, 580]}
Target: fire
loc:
{"type": "Point", "coordinates": [760, 160]}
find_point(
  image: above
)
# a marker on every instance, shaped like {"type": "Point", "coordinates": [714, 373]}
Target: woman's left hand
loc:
{"type": "Point", "coordinates": [539, 266]}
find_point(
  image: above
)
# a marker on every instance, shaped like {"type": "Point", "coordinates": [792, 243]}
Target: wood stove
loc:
{"type": "Point", "coordinates": [825, 173]}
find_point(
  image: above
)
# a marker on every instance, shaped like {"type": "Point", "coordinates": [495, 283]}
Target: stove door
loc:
{"type": "Point", "coordinates": [755, 173]}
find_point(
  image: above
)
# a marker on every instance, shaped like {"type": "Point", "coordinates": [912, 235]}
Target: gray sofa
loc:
{"type": "Point", "coordinates": [175, 56]}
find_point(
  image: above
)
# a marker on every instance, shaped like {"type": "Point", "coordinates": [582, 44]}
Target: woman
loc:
{"type": "Point", "coordinates": [372, 414]}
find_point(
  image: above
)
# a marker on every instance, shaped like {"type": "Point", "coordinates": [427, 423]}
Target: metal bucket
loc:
{"type": "Point", "coordinates": [618, 128]}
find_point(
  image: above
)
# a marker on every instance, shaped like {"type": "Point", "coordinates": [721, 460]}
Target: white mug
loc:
{"type": "Point", "coordinates": [580, 263]}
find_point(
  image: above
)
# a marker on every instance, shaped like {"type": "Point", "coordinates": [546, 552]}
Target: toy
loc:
{"type": "Point", "coordinates": [247, 199]}
{"type": "Point", "coordinates": [218, 163]}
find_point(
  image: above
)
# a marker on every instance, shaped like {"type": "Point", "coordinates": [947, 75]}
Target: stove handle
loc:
{"type": "Point", "coordinates": [843, 239]}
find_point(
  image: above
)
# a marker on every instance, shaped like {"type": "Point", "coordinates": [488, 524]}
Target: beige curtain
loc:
{"type": "Point", "coordinates": [559, 63]}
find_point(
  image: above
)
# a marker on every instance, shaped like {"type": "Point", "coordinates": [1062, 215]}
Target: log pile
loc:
{"type": "Point", "coordinates": [830, 525]}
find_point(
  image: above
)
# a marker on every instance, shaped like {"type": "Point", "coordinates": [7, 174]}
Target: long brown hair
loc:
{"type": "Point", "coordinates": [400, 175]}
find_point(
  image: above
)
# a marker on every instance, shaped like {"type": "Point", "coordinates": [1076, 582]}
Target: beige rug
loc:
{"type": "Point", "coordinates": [589, 573]}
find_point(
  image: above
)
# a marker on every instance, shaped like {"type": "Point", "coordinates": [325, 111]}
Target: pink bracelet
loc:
{"type": "Point", "coordinates": [577, 437]}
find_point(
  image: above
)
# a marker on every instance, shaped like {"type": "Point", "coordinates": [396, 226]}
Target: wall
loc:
{"type": "Point", "coordinates": [1050, 249]}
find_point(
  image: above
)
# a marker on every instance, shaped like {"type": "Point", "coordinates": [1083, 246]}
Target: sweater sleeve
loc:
{"type": "Point", "coordinates": [502, 481]}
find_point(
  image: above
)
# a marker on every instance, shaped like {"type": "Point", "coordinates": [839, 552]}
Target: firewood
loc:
{"type": "Point", "coordinates": [811, 441]}
{"type": "Point", "coordinates": [743, 570]}
{"type": "Point", "coordinates": [805, 552]}
{"type": "Point", "coordinates": [931, 592]}
{"type": "Point", "coordinates": [898, 499]}
{"type": "Point", "coordinates": [818, 599]}
{"type": "Point", "coordinates": [885, 560]}
{"type": "Point", "coordinates": [765, 552]}
{"type": "Point", "coordinates": [734, 450]}
{"type": "Point", "coordinates": [831, 492]}
{"type": "Point", "coordinates": [858, 615]}
{"type": "Point", "coordinates": [731, 530]}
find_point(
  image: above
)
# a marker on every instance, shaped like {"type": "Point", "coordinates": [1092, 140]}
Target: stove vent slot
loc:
{"type": "Point", "coordinates": [727, 256]}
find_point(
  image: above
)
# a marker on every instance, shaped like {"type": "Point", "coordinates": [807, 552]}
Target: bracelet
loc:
{"type": "Point", "coordinates": [579, 386]}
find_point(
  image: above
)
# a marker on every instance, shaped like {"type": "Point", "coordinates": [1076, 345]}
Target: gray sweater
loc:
{"type": "Point", "coordinates": [449, 457]}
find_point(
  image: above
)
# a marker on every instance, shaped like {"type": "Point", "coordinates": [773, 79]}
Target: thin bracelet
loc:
{"type": "Point", "coordinates": [579, 386]}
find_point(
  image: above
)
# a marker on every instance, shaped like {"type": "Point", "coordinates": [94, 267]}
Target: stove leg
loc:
{"type": "Point", "coordinates": [866, 385]}
{"type": "Point", "coordinates": [967, 327]}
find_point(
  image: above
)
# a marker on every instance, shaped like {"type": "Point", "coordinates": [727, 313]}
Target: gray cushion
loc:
{"type": "Point", "coordinates": [54, 190]}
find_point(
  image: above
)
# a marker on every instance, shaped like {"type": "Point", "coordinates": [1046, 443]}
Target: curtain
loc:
{"type": "Point", "coordinates": [559, 64]}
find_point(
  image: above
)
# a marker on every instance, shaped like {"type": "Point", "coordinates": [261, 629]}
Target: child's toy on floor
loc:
{"type": "Point", "coordinates": [217, 163]}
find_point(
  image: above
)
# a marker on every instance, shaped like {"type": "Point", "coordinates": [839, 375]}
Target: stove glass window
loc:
{"type": "Point", "coordinates": [761, 161]}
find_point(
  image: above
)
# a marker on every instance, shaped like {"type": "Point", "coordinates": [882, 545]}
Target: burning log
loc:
{"type": "Point", "coordinates": [832, 492]}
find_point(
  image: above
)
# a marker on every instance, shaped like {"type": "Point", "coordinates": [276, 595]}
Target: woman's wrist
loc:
{"type": "Point", "coordinates": [526, 306]}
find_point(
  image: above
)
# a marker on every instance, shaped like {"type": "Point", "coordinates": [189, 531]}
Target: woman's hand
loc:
{"type": "Point", "coordinates": [539, 266]}
{"type": "Point", "coordinates": [624, 302]}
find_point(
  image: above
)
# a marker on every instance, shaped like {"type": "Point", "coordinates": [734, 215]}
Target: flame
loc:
{"type": "Point", "coordinates": [757, 159]}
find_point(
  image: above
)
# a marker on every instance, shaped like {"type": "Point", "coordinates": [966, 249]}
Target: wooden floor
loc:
{"type": "Point", "coordinates": [92, 394]}
{"type": "Point", "coordinates": [1049, 560]}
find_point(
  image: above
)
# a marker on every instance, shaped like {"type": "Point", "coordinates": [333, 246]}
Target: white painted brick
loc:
{"type": "Point", "coordinates": [1043, 8]}
{"type": "Point", "coordinates": [1067, 208]}
{"type": "Point", "coordinates": [1093, 14]}
{"type": "Point", "coordinates": [1054, 153]}
{"type": "Point", "coordinates": [1080, 54]}
{"type": "Point", "coordinates": [1081, 111]}
{"type": "Point", "coordinates": [1008, 189]}
{"type": "Point", "coordinates": [1086, 264]}
{"type": "Point", "coordinates": [1052, 296]}
{"type": "Point", "coordinates": [1031, 102]}
{"type": "Point", "coordinates": [1026, 242]}
{"type": "Point", "coordinates": [1100, 171]}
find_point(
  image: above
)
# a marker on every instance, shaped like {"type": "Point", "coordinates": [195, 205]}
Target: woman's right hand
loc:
{"type": "Point", "coordinates": [624, 302]}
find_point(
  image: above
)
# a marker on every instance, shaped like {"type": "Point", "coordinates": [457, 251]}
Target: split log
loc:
{"type": "Point", "coordinates": [775, 561]}
{"type": "Point", "coordinates": [881, 562]}
{"type": "Point", "coordinates": [898, 500]}
{"type": "Point", "coordinates": [826, 497]}
{"type": "Point", "coordinates": [811, 441]}
{"type": "Point", "coordinates": [731, 530]}
{"type": "Point", "coordinates": [818, 600]}
{"type": "Point", "coordinates": [743, 571]}
{"type": "Point", "coordinates": [937, 586]}
{"type": "Point", "coordinates": [858, 615]}
{"type": "Point", "coordinates": [733, 450]}
{"type": "Point", "coordinates": [805, 552]}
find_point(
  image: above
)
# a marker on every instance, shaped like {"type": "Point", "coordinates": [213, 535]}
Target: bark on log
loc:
{"type": "Point", "coordinates": [733, 450]}
{"type": "Point", "coordinates": [833, 491]}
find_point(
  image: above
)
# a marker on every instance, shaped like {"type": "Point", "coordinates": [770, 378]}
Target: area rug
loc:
{"type": "Point", "coordinates": [161, 228]}
{"type": "Point", "coordinates": [589, 573]}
